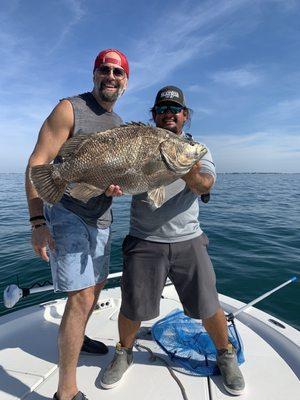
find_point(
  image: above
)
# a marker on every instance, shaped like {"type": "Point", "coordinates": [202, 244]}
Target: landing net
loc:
{"type": "Point", "coordinates": [189, 346]}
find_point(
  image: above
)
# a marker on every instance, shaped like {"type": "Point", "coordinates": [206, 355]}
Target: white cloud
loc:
{"type": "Point", "coordinates": [26, 95]}
{"type": "Point", "coordinates": [191, 32]}
{"type": "Point", "coordinates": [267, 151]}
{"type": "Point", "coordinates": [241, 77]}
{"type": "Point", "coordinates": [200, 31]}
{"type": "Point", "coordinates": [198, 112]}
{"type": "Point", "coordinates": [76, 13]}
{"type": "Point", "coordinates": [283, 110]}
{"type": "Point", "coordinates": [159, 62]}
{"type": "Point", "coordinates": [196, 88]}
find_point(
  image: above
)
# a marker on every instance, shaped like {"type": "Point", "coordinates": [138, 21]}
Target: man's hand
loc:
{"type": "Point", "coordinates": [192, 175]}
{"type": "Point", "coordinates": [113, 191]}
{"type": "Point", "coordinates": [198, 182]}
{"type": "Point", "coordinates": [40, 239]}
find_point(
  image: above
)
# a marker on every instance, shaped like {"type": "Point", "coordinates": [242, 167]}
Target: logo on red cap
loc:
{"type": "Point", "coordinates": [101, 59]}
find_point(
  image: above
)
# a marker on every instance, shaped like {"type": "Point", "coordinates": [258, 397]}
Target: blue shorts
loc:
{"type": "Point", "coordinates": [81, 255]}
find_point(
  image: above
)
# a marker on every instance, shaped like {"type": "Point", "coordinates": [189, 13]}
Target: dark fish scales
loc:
{"type": "Point", "coordinates": [137, 157]}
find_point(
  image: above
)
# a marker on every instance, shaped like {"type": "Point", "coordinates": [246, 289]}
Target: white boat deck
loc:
{"type": "Point", "coordinates": [28, 357]}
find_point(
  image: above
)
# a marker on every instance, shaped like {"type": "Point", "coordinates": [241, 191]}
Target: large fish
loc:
{"type": "Point", "coordinates": [137, 157]}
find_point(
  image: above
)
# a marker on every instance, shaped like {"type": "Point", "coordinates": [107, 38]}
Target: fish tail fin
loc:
{"type": "Point", "coordinates": [48, 182]}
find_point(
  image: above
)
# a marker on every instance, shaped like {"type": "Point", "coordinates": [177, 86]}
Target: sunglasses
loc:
{"type": "Point", "coordinates": [165, 109]}
{"type": "Point", "coordinates": [105, 70]}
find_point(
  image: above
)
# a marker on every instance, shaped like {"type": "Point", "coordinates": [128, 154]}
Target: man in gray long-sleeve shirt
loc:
{"type": "Point", "coordinates": [168, 242]}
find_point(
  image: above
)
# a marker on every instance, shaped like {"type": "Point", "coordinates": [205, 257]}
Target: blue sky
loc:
{"type": "Point", "coordinates": [237, 62]}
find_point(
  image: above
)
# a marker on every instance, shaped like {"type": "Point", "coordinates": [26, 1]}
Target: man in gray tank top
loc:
{"type": "Point", "coordinates": [168, 242]}
{"type": "Point", "coordinates": [77, 234]}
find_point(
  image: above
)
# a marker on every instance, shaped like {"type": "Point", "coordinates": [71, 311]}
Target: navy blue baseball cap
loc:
{"type": "Point", "coordinates": [170, 94]}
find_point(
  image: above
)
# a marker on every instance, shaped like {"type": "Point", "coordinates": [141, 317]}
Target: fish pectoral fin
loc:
{"type": "Point", "coordinates": [84, 192]}
{"type": "Point", "coordinates": [72, 145]}
{"type": "Point", "coordinates": [157, 196]}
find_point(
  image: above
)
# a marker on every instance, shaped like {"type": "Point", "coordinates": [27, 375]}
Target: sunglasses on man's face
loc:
{"type": "Point", "coordinates": [165, 109]}
{"type": "Point", "coordinates": [105, 70]}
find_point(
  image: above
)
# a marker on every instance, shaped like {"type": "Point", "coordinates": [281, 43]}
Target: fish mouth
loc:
{"type": "Point", "coordinates": [182, 160]}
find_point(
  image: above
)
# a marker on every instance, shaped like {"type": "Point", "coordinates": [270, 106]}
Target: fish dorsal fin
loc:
{"type": "Point", "coordinates": [133, 123]}
{"type": "Point", "coordinates": [84, 192]}
{"type": "Point", "coordinates": [72, 145]}
{"type": "Point", "coordinates": [157, 196]}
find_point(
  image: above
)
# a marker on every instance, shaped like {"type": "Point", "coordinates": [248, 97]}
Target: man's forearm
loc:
{"type": "Point", "coordinates": [199, 183]}
{"type": "Point", "coordinates": [35, 204]}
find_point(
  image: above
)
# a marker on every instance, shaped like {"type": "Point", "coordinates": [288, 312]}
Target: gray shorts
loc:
{"type": "Point", "coordinates": [82, 251]}
{"type": "Point", "coordinates": [147, 266]}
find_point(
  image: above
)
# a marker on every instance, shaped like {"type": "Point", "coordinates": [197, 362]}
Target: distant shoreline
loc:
{"type": "Point", "coordinates": [219, 173]}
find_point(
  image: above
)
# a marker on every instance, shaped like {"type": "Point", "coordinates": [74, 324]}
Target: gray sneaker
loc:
{"type": "Point", "coordinates": [114, 372]}
{"type": "Point", "coordinates": [79, 396]}
{"type": "Point", "coordinates": [233, 380]}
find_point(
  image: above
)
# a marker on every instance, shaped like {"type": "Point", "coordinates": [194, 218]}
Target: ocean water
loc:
{"type": "Point", "coordinates": [252, 221]}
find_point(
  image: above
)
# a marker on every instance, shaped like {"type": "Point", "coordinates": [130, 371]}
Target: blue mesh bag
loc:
{"type": "Point", "coordinates": [188, 344]}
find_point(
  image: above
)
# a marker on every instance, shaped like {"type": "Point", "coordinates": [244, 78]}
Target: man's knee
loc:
{"type": "Point", "coordinates": [82, 300]}
{"type": "Point", "coordinates": [218, 315]}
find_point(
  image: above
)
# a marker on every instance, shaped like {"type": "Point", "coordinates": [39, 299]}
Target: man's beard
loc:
{"type": "Point", "coordinates": [108, 96]}
{"type": "Point", "coordinates": [173, 129]}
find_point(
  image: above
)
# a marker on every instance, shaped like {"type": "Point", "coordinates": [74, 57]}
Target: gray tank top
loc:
{"type": "Point", "coordinates": [90, 117]}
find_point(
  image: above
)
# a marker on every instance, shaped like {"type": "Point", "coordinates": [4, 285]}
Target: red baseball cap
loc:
{"type": "Point", "coordinates": [101, 59]}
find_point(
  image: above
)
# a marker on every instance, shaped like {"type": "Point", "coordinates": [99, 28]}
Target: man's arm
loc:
{"type": "Point", "coordinates": [57, 128]}
{"type": "Point", "coordinates": [198, 182]}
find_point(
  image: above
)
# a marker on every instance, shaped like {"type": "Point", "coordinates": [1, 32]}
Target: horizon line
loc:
{"type": "Point", "coordinates": [244, 172]}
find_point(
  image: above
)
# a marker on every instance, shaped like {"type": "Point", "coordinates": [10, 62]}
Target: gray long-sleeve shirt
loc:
{"type": "Point", "coordinates": [177, 219]}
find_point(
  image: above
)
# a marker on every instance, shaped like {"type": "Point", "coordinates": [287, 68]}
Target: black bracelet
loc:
{"type": "Point", "coordinates": [37, 217]}
{"type": "Point", "coordinates": [34, 227]}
